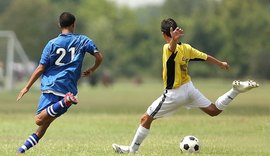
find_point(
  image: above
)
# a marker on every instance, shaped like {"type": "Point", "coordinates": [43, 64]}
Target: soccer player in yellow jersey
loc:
{"type": "Point", "coordinates": [179, 89]}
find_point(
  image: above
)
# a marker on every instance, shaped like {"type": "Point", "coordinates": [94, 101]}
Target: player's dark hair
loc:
{"type": "Point", "coordinates": [66, 19]}
{"type": "Point", "coordinates": [166, 25]}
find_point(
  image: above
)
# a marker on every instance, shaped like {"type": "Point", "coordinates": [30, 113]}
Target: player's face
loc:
{"type": "Point", "coordinates": [166, 38]}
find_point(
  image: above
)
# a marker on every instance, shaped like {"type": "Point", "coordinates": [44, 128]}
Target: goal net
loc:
{"type": "Point", "coordinates": [15, 66]}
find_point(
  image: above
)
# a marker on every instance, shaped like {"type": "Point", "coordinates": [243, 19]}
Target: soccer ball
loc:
{"type": "Point", "coordinates": [190, 144]}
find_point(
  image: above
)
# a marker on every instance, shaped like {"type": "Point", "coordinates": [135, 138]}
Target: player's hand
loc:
{"type": "Point", "coordinates": [21, 94]}
{"type": "Point", "coordinates": [224, 65]}
{"type": "Point", "coordinates": [177, 33]}
{"type": "Point", "coordinates": [88, 72]}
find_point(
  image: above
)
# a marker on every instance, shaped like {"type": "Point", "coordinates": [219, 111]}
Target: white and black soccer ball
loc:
{"type": "Point", "coordinates": [190, 144]}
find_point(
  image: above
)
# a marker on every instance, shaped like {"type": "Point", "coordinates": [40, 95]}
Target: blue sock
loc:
{"type": "Point", "coordinates": [30, 142]}
{"type": "Point", "coordinates": [56, 108]}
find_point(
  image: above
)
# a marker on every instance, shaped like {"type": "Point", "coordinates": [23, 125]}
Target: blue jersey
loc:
{"type": "Point", "coordinates": [63, 58]}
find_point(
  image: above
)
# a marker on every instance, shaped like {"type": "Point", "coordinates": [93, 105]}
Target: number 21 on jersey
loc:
{"type": "Point", "coordinates": [63, 53]}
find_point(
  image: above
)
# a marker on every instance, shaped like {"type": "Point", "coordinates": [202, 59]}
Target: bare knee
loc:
{"type": "Point", "coordinates": [146, 121]}
{"type": "Point", "coordinates": [212, 110]}
{"type": "Point", "coordinates": [43, 119]}
{"type": "Point", "coordinates": [38, 120]}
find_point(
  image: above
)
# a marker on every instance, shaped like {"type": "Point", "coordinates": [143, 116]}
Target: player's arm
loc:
{"type": "Point", "coordinates": [213, 60]}
{"type": "Point", "coordinates": [36, 74]}
{"type": "Point", "coordinates": [175, 36]}
{"type": "Point", "coordinates": [98, 59]}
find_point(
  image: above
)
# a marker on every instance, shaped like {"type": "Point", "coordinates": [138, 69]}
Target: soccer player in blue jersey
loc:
{"type": "Point", "coordinates": [60, 69]}
{"type": "Point", "coordinates": [178, 87]}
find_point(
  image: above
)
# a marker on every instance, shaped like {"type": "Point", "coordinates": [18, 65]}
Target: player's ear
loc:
{"type": "Point", "coordinates": [73, 27]}
{"type": "Point", "coordinates": [59, 25]}
{"type": "Point", "coordinates": [163, 34]}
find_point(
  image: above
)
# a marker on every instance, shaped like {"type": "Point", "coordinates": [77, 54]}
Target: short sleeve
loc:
{"type": "Point", "coordinates": [90, 46]}
{"type": "Point", "coordinates": [196, 54]}
{"type": "Point", "coordinates": [45, 57]}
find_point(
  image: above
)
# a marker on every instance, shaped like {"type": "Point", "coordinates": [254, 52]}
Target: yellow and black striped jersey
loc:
{"type": "Point", "coordinates": [175, 64]}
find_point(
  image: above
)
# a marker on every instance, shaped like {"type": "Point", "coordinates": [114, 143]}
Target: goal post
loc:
{"type": "Point", "coordinates": [13, 47]}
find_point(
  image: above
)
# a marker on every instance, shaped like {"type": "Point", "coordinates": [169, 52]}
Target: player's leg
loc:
{"type": "Point", "coordinates": [141, 133]}
{"type": "Point", "coordinates": [143, 129]}
{"type": "Point", "coordinates": [237, 88]}
{"type": "Point", "coordinates": [139, 136]}
{"type": "Point", "coordinates": [211, 110]}
{"type": "Point", "coordinates": [199, 100]}
{"type": "Point", "coordinates": [43, 128]}
{"type": "Point", "coordinates": [46, 117]}
{"type": "Point", "coordinates": [35, 137]}
{"type": "Point", "coordinates": [61, 106]}
{"type": "Point", "coordinates": [163, 106]}
{"type": "Point", "coordinates": [51, 106]}
{"type": "Point", "coordinates": [43, 117]}
{"type": "Point", "coordinates": [30, 142]}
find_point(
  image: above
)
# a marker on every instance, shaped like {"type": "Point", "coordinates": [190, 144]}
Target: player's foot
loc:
{"type": "Point", "coordinates": [70, 99]}
{"type": "Point", "coordinates": [122, 149]}
{"type": "Point", "coordinates": [20, 151]}
{"type": "Point", "coordinates": [243, 86]}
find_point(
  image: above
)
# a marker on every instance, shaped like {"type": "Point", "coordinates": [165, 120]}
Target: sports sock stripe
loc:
{"type": "Point", "coordinates": [53, 112]}
{"type": "Point", "coordinates": [33, 139]}
{"type": "Point", "coordinates": [24, 147]}
{"type": "Point", "coordinates": [30, 141]}
{"type": "Point", "coordinates": [49, 112]}
{"type": "Point", "coordinates": [61, 103]}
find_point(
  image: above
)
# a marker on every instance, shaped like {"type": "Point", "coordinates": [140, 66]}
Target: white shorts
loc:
{"type": "Point", "coordinates": [186, 95]}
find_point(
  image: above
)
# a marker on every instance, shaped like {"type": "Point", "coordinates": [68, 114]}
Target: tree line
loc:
{"type": "Point", "coordinates": [130, 38]}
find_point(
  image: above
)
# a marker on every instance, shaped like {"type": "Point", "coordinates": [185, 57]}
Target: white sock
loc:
{"type": "Point", "coordinates": [140, 135]}
{"type": "Point", "coordinates": [224, 100]}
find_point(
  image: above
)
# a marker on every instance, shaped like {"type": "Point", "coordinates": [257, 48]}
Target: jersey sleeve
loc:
{"type": "Point", "coordinates": [166, 48]}
{"type": "Point", "coordinates": [45, 57]}
{"type": "Point", "coordinates": [90, 46]}
{"type": "Point", "coordinates": [196, 54]}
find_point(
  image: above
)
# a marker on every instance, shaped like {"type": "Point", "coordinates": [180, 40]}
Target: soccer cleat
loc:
{"type": "Point", "coordinates": [243, 86]}
{"type": "Point", "coordinates": [122, 149]}
{"type": "Point", "coordinates": [70, 99]}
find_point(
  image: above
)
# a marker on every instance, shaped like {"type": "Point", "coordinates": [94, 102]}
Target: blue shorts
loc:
{"type": "Point", "coordinates": [48, 99]}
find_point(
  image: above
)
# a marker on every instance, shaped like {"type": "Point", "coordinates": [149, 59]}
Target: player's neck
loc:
{"type": "Point", "coordinates": [67, 30]}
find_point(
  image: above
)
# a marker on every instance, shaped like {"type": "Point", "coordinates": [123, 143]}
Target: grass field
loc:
{"type": "Point", "coordinates": [111, 115]}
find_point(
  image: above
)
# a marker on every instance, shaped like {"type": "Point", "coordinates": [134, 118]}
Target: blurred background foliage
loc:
{"type": "Point", "coordinates": [236, 31]}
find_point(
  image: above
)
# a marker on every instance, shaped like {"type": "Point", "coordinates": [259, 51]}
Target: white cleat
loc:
{"type": "Point", "coordinates": [122, 149]}
{"type": "Point", "coordinates": [243, 86]}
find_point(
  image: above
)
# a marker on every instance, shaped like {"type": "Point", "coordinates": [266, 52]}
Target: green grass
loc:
{"type": "Point", "coordinates": [111, 115]}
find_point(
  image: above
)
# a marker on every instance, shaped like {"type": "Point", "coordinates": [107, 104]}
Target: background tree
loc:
{"type": "Point", "coordinates": [235, 31]}
{"type": "Point", "coordinates": [34, 22]}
